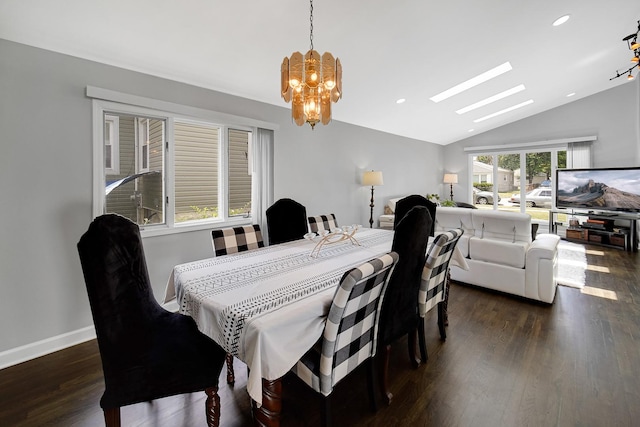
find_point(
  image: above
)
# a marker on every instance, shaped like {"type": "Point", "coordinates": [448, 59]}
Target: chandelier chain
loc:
{"type": "Point", "coordinates": [311, 23]}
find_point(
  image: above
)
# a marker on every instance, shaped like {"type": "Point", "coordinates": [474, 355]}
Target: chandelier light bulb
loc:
{"type": "Point", "coordinates": [630, 77]}
{"type": "Point", "coordinates": [635, 59]}
{"type": "Point", "coordinates": [635, 45]}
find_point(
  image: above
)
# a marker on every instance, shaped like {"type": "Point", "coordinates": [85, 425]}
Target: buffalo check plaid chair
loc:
{"type": "Point", "coordinates": [433, 286]}
{"type": "Point", "coordinates": [351, 331]}
{"type": "Point", "coordinates": [322, 222]}
{"type": "Point", "coordinates": [236, 239]}
{"type": "Point", "coordinates": [230, 241]}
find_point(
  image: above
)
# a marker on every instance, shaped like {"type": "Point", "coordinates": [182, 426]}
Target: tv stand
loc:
{"type": "Point", "coordinates": [613, 229]}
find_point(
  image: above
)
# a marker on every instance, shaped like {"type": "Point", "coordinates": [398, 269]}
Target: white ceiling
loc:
{"type": "Point", "coordinates": [409, 49]}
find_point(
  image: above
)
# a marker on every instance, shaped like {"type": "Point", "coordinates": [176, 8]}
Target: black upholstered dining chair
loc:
{"type": "Point", "coordinates": [350, 333]}
{"type": "Point", "coordinates": [404, 205]}
{"type": "Point", "coordinates": [322, 222]}
{"type": "Point", "coordinates": [434, 284]}
{"type": "Point", "coordinates": [232, 240]}
{"type": "Point", "coordinates": [399, 316]}
{"type": "Point", "coordinates": [286, 221]}
{"type": "Point", "coordinates": [147, 352]}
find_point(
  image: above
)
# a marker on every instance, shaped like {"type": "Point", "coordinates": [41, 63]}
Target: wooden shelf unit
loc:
{"type": "Point", "coordinates": [607, 229]}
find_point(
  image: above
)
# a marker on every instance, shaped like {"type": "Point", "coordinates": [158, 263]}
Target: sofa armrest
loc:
{"type": "Point", "coordinates": [544, 247]}
{"type": "Point", "coordinates": [542, 268]}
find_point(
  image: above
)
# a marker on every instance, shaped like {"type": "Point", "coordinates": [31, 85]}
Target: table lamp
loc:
{"type": "Point", "coordinates": [372, 178]}
{"type": "Point", "coordinates": [451, 178]}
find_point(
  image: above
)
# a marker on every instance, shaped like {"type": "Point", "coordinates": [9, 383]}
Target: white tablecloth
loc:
{"type": "Point", "coordinates": [268, 306]}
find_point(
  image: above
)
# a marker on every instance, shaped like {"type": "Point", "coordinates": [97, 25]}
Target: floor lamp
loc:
{"type": "Point", "coordinates": [451, 178]}
{"type": "Point", "coordinates": [372, 178]}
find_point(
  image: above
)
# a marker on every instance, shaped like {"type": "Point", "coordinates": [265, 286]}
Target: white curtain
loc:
{"type": "Point", "coordinates": [262, 177]}
{"type": "Point", "coordinates": [579, 155]}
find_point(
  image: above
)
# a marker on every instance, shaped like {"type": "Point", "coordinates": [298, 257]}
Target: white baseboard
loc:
{"type": "Point", "coordinates": [49, 345]}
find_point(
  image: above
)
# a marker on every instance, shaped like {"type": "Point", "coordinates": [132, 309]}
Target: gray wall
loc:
{"type": "Point", "coordinates": [613, 116]}
{"type": "Point", "coordinates": [46, 180]}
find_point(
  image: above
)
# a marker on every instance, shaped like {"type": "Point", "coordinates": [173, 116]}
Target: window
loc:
{"type": "Point", "coordinates": [525, 174]}
{"type": "Point", "coordinates": [173, 170]}
{"type": "Point", "coordinates": [111, 144]}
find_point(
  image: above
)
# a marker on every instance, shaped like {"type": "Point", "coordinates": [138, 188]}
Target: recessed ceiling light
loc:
{"type": "Point", "coordinates": [470, 130]}
{"type": "Point", "coordinates": [491, 99]}
{"type": "Point", "coordinates": [561, 20]}
{"type": "Point", "coordinates": [506, 110]}
{"type": "Point", "coordinates": [571, 94]}
{"type": "Point", "coordinates": [481, 78]}
{"type": "Point", "coordinates": [400, 101]}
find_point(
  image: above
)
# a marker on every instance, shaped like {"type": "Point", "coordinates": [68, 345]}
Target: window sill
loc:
{"type": "Point", "coordinates": [163, 230]}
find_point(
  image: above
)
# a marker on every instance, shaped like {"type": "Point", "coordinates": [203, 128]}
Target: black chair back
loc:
{"type": "Point", "coordinates": [404, 205]}
{"type": "Point", "coordinates": [286, 221]}
{"type": "Point", "coordinates": [400, 307]}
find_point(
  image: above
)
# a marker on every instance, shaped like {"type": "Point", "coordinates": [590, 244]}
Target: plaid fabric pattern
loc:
{"type": "Point", "coordinates": [322, 222]}
{"type": "Point", "coordinates": [434, 275]}
{"type": "Point", "coordinates": [351, 330]}
{"type": "Point", "coordinates": [237, 239]}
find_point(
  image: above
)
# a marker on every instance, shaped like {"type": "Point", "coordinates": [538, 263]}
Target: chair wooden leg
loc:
{"type": "Point", "coordinates": [231, 375]}
{"type": "Point", "coordinates": [212, 407]}
{"type": "Point", "coordinates": [424, 356]}
{"type": "Point", "coordinates": [383, 371]}
{"type": "Point", "coordinates": [442, 313]}
{"type": "Point", "coordinates": [412, 335]}
{"type": "Point", "coordinates": [326, 411]}
{"type": "Point", "coordinates": [112, 417]}
{"type": "Point", "coordinates": [371, 385]}
{"type": "Point", "coordinates": [445, 302]}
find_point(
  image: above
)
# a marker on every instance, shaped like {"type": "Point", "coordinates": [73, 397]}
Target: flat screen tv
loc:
{"type": "Point", "coordinates": [614, 189]}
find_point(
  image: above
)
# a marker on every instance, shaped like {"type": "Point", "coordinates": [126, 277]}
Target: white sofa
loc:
{"type": "Point", "coordinates": [501, 254]}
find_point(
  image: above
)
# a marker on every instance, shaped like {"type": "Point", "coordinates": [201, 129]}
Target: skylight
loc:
{"type": "Point", "coordinates": [479, 79]}
{"type": "Point", "coordinates": [506, 110]}
{"type": "Point", "coordinates": [491, 99]}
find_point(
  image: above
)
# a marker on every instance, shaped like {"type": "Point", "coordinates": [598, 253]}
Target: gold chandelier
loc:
{"type": "Point", "coordinates": [311, 83]}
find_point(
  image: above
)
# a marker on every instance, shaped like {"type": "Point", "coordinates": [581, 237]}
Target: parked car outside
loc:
{"type": "Point", "coordinates": [482, 197]}
{"type": "Point", "coordinates": [540, 197]}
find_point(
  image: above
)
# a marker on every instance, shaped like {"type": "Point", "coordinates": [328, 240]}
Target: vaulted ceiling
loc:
{"type": "Point", "coordinates": [409, 49]}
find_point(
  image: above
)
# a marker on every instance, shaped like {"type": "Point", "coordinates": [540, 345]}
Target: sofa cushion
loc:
{"type": "Point", "coordinates": [508, 226]}
{"type": "Point", "coordinates": [498, 251]}
{"type": "Point", "coordinates": [448, 218]}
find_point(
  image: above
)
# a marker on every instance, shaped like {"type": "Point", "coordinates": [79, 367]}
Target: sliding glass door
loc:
{"type": "Point", "coordinates": [520, 181]}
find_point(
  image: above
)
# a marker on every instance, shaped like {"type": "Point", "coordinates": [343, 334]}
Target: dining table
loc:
{"type": "Point", "coordinates": [268, 306]}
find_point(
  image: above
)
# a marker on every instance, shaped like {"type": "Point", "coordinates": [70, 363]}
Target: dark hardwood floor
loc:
{"type": "Point", "coordinates": [506, 362]}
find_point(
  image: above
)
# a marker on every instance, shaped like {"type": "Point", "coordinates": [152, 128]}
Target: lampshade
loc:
{"type": "Point", "coordinates": [372, 178]}
{"type": "Point", "coordinates": [450, 178]}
